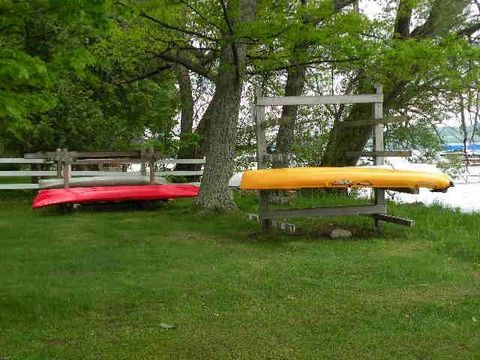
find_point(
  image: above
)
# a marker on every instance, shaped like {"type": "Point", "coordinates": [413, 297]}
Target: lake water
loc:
{"type": "Point", "coordinates": [465, 195]}
{"type": "Point", "coordinates": [471, 148]}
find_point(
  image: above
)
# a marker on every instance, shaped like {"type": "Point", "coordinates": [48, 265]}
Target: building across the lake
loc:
{"type": "Point", "coordinates": [458, 147]}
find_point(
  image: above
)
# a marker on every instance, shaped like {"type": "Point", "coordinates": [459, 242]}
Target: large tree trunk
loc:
{"type": "Point", "coordinates": [464, 128]}
{"type": "Point", "coordinates": [222, 114]}
{"type": "Point", "coordinates": [187, 147]}
{"type": "Point", "coordinates": [294, 87]}
{"type": "Point", "coordinates": [343, 139]}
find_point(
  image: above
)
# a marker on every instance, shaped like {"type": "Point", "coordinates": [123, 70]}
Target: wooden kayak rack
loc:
{"type": "Point", "coordinates": [64, 159]}
{"type": "Point", "coordinates": [377, 210]}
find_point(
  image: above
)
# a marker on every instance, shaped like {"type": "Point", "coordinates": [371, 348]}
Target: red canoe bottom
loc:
{"type": "Point", "coordinates": [112, 194]}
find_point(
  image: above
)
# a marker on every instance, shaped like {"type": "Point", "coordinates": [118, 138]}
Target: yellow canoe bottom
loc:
{"type": "Point", "coordinates": [341, 177]}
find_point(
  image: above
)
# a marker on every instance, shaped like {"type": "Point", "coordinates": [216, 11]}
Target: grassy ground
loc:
{"type": "Point", "coordinates": [110, 284]}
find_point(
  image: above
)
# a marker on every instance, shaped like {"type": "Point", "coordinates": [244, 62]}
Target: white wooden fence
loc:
{"type": "Point", "coordinates": [57, 173]}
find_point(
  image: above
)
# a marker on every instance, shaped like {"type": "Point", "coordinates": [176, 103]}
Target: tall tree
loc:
{"type": "Point", "coordinates": [63, 79]}
{"type": "Point", "coordinates": [209, 38]}
{"type": "Point", "coordinates": [33, 51]}
{"type": "Point", "coordinates": [222, 113]}
{"type": "Point", "coordinates": [188, 143]}
{"type": "Point", "coordinates": [296, 71]}
{"type": "Point", "coordinates": [404, 69]}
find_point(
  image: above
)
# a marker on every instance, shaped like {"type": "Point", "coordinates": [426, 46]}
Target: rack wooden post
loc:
{"type": "Point", "coordinates": [379, 145]}
{"type": "Point", "coordinates": [259, 113]}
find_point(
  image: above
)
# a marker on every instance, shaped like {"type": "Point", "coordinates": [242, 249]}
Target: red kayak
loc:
{"type": "Point", "coordinates": [112, 194]}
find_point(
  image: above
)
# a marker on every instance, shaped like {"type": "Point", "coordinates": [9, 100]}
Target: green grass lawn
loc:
{"type": "Point", "coordinates": [105, 285]}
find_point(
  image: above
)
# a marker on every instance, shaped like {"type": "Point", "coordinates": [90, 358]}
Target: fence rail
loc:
{"type": "Point", "coordinates": [21, 161]}
{"type": "Point", "coordinates": [60, 169]}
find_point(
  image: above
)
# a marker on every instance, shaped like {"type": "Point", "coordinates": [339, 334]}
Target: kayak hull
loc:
{"type": "Point", "coordinates": [342, 177]}
{"type": "Point", "coordinates": [78, 195]}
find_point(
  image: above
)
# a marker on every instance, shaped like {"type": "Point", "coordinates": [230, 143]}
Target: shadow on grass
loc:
{"type": "Point", "coordinates": [235, 226]}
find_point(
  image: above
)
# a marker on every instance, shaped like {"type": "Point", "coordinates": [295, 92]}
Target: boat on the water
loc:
{"type": "Point", "coordinates": [80, 195]}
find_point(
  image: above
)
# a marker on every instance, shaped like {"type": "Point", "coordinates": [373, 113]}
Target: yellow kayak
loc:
{"type": "Point", "coordinates": [342, 177]}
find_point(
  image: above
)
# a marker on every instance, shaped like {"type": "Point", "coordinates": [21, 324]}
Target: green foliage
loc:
{"type": "Point", "coordinates": [29, 42]}
{"type": "Point", "coordinates": [453, 165]}
{"type": "Point", "coordinates": [417, 135]}
{"type": "Point", "coordinates": [64, 82]}
{"type": "Point", "coordinates": [67, 68]}
{"type": "Point", "coordinates": [309, 148]}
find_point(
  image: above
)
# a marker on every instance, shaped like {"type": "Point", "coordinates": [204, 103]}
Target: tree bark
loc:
{"type": "Point", "coordinates": [294, 87]}
{"type": "Point", "coordinates": [463, 127]}
{"type": "Point", "coordinates": [187, 147]}
{"type": "Point", "coordinates": [186, 97]}
{"type": "Point", "coordinates": [403, 20]}
{"type": "Point", "coordinates": [343, 139]}
{"type": "Point", "coordinates": [222, 113]}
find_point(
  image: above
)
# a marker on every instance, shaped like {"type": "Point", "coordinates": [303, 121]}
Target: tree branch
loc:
{"type": "Point", "coordinates": [340, 4]}
{"type": "Point", "coordinates": [191, 65]}
{"type": "Point", "coordinates": [232, 43]}
{"type": "Point", "coordinates": [226, 18]}
{"type": "Point", "coordinates": [443, 14]}
{"type": "Point", "coordinates": [313, 62]}
{"type": "Point", "coordinates": [203, 17]}
{"type": "Point", "coordinates": [253, 40]}
{"type": "Point", "coordinates": [176, 28]}
{"type": "Point", "coordinates": [402, 22]}
{"type": "Point", "coordinates": [469, 31]}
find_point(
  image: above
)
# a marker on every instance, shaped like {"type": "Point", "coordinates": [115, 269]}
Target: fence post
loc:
{"type": "Point", "coordinates": [143, 169]}
{"type": "Point", "coordinates": [58, 161]}
{"type": "Point", "coordinates": [151, 164]}
{"type": "Point", "coordinates": [66, 169]}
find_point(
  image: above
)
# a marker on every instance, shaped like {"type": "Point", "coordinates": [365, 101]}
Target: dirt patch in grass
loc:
{"type": "Point", "coordinates": [358, 231]}
{"type": "Point", "coordinates": [409, 248]}
{"type": "Point", "coordinates": [319, 232]}
{"type": "Point", "coordinates": [56, 342]}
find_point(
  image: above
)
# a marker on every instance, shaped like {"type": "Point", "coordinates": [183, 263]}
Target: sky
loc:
{"type": "Point", "coordinates": [370, 8]}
